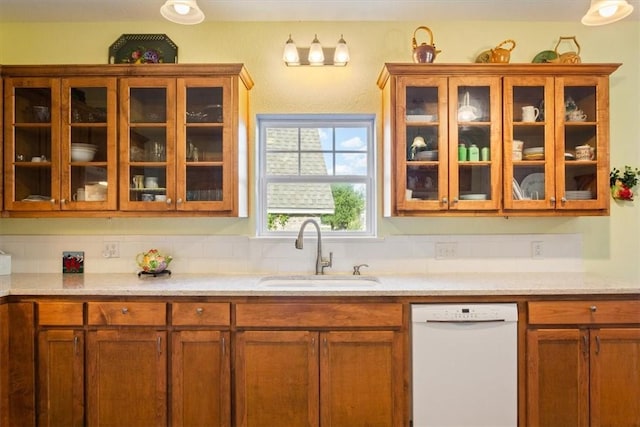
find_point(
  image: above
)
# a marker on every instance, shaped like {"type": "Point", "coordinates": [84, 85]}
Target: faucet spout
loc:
{"type": "Point", "coordinates": [321, 262]}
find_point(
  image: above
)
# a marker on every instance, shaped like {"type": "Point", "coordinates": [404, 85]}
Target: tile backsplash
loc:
{"type": "Point", "coordinates": [247, 255]}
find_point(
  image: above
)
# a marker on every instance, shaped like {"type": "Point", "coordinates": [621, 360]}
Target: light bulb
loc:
{"type": "Point", "coordinates": [607, 11]}
{"type": "Point", "coordinates": [181, 8]}
{"type": "Point", "coordinates": [316, 55]}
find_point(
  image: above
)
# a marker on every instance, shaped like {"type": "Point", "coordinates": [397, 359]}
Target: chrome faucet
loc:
{"type": "Point", "coordinates": [321, 262]}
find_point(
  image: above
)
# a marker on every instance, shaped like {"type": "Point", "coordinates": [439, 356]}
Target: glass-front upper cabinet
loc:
{"type": "Point", "coordinates": [204, 163]}
{"type": "Point", "coordinates": [32, 144]}
{"type": "Point", "coordinates": [421, 144]}
{"type": "Point", "coordinates": [475, 143]}
{"type": "Point", "coordinates": [147, 144]}
{"type": "Point", "coordinates": [555, 131]}
{"type": "Point", "coordinates": [529, 148]}
{"type": "Point", "coordinates": [60, 144]}
{"type": "Point", "coordinates": [582, 142]}
{"type": "Point", "coordinates": [88, 144]}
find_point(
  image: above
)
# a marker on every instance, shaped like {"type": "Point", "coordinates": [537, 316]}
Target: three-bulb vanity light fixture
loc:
{"type": "Point", "coordinates": [184, 12]}
{"type": "Point", "coordinates": [316, 55]}
{"type": "Point", "coordinates": [604, 12]}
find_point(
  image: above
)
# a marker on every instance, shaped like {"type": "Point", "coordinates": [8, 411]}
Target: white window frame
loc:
{"type": "Point", "coordinates": [264, 121]}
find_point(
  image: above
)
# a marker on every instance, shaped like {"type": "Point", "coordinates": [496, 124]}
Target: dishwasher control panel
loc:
{"type": "Point", "coordinates": [464, 312]}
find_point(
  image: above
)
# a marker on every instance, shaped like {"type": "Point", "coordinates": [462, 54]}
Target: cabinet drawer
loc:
{"type": "Point", "coordinates": [319, 315]}
{"type": "Point", "coordinates": [127, 313]}
{"type": "Point", "coordinates": [59, 313]}
{"type": "Point", "coordinates": [197, 313]}
{"type": "Point", "coordinates": [584, 312]}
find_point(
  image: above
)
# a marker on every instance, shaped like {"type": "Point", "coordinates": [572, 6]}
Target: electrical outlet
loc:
{"type": "Point", "coordinates": [111, 250]}
{"type": "Point", "coordinates": [537, 250]}
{"type": "Point", "coordinates": [446, 250]}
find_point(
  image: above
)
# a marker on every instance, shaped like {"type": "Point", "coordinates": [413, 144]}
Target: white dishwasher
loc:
{"type": "Point", "coordinates": [465, 365]}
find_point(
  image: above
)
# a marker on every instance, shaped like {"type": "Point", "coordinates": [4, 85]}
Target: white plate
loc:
{"type": "Point", "coordinates": [533, 150]}
{"type": "Point", "coordinates": [473, 197]}
{"type": "Point", "coordinates": [420, 118]}
{"type": "Point", "coordinates": [533, 186]}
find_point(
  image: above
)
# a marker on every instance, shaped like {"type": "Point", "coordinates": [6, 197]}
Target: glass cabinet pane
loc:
{"type": "Point", "coordinates": [33, 145]}
{"type": "Point", "coordinates": [204, 105]}
{"type": "Point", "coordinates": [148, 105]}
{"type": "Point", "coordinates": [580, 143]}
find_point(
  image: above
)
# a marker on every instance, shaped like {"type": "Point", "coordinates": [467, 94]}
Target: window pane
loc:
{"type": "Point", "coordinates": [337, 207]}
{"type": "Point", "coordinates": [316, 167]}
{"type": "Point", "coordinates": [351, 139]}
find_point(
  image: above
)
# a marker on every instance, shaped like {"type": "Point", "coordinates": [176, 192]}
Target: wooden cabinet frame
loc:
{"type": "Point", "coordinates": [393, 81]}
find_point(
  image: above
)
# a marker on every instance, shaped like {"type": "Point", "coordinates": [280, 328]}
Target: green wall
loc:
{"type": "Point", "coordinates": [611, 244]}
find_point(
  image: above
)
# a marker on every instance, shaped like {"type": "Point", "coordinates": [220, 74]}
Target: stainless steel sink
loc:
{"type": "Point", "coordinates": [318, 281]}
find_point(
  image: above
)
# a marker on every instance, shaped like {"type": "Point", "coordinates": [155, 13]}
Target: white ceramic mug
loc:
{"type": "Point", "coordinates": [576, 116]}
{"type": "Point", "coordinates": [517, 149]}
{"type": "Point", "coordinates": [80, 195]}
{"type": "Point", "coordinates": [585, 152]}
{"type": "Point", "coordinates": [530, 113]}
{"type": "Point", "coordinates": [151, 182]}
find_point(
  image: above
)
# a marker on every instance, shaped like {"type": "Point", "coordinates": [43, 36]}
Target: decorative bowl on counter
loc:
{"type": "Point", "coordinates": [83, 152]}
{"type": "Point", "coordinates": [153, 261]}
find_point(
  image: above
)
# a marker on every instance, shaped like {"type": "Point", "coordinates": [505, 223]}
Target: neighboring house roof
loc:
{"type": "Point", "coordinates": [297, 198]}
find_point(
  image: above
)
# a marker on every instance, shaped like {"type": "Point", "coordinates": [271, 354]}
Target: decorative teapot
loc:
{"type": "Point", "coordinates": [425, 53]}
{"type": "Point", "coordinates": [500, 54]}
{"type": "Point", "coordinates": [153, 261]}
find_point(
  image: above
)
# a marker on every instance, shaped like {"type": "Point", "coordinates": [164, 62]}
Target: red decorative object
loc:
{"type": "Point", "coordinates": [622, 183]}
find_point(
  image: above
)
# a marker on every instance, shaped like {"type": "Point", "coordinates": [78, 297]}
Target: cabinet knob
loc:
{"type": "Point", "coordinates": [455, 200]}
{"type": "Point", "coordinates": [124, 310]}
{"type": "Point", "coordinates": [563, 200]}
{"type": "Point", "coordinates": [445, 201]}
{"type": "Point", "coordinates": [552, 200]}
{"type": "Point", "coordinates": [53, 201]}
{"type": "Point", "coordinates": [199, 311]}
{"type": "Point", "coordinates": [179, 200]}
{"type": "Point", "coordinates": [168, 201]}
{"type": "Point", "coordinates": [593, 308]}
{"type": "Point", "coordinates": [63, 201]}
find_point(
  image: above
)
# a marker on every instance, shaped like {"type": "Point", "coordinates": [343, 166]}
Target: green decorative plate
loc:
{"type": "Point", "coordinates": [484, 56]}
{"type": "Point", "coordinates": [544, 57]}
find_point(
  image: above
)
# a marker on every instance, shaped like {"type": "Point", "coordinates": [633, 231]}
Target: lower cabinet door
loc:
{"type": "Point", "coordinates": [200, 379]}
{"type": "Point", "coordinates": [61, 378]}
{"type": "Point", "coordinates": [276, 379]}
{"type": "Point", "coordinates": [558, 378]}
{"type": "Point", "coordinates": [127, 376]}
{"type": "Point", "coordinates": [615, 377]}
{"type": "Point", "coordinates": [361, 379]}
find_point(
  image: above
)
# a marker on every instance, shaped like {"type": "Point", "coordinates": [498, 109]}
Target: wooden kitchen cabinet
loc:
{"type": "Point", "coordinates": [200, 382]}
{"type": "Point", "coordinates": [188, 136]}
{"type": "Point", "coordinates": [183, 127]}
{"type": "Point", "coordinates": [481, 104]}
{"type": "Point", "coordinates": [582, 363]}
{"type": "Point", "coordinates": [126, 366]}
{"type": "Point", "coordinates": [550, 176]}
{"type": "Point", "coordinates": [60, 364]}
{"type": "Point", "coordinates": [45, 116]}
{"type": "Point", "coordinates": [4, 364]}
{"type": "Point", "coordinates": [315, 372]}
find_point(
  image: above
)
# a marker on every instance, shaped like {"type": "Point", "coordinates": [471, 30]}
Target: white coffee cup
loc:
{"type": "Point", "coordinates": [80, 195]}
{"type": "Point", "coordinates": [530, 113]}
{"type": "Point", "coordinates": [151, 182]}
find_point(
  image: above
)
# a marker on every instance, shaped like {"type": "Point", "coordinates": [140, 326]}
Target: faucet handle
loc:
{"type": "Point", "coordinates": [356, 268]}
{"type": "Point", "coordinates": [326, 262]}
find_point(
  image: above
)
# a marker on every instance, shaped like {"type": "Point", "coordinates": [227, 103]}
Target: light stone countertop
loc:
{"type": "Point", "coordinates": [449, 284]}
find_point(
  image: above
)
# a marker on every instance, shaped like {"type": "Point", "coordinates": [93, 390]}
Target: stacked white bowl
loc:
{"type": "Point", "coordinates": [83, 152]}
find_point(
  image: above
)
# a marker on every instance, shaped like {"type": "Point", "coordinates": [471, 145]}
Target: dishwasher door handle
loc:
{"type": "Point", "coordinates": [467, 321]}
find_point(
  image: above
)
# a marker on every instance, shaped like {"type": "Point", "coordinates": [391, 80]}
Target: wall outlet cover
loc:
{"type": "Point", "coordinates": [73, 262]}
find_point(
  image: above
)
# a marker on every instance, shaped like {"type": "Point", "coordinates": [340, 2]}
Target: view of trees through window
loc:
{"type": "Point", "coordinates": [316, 167]}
